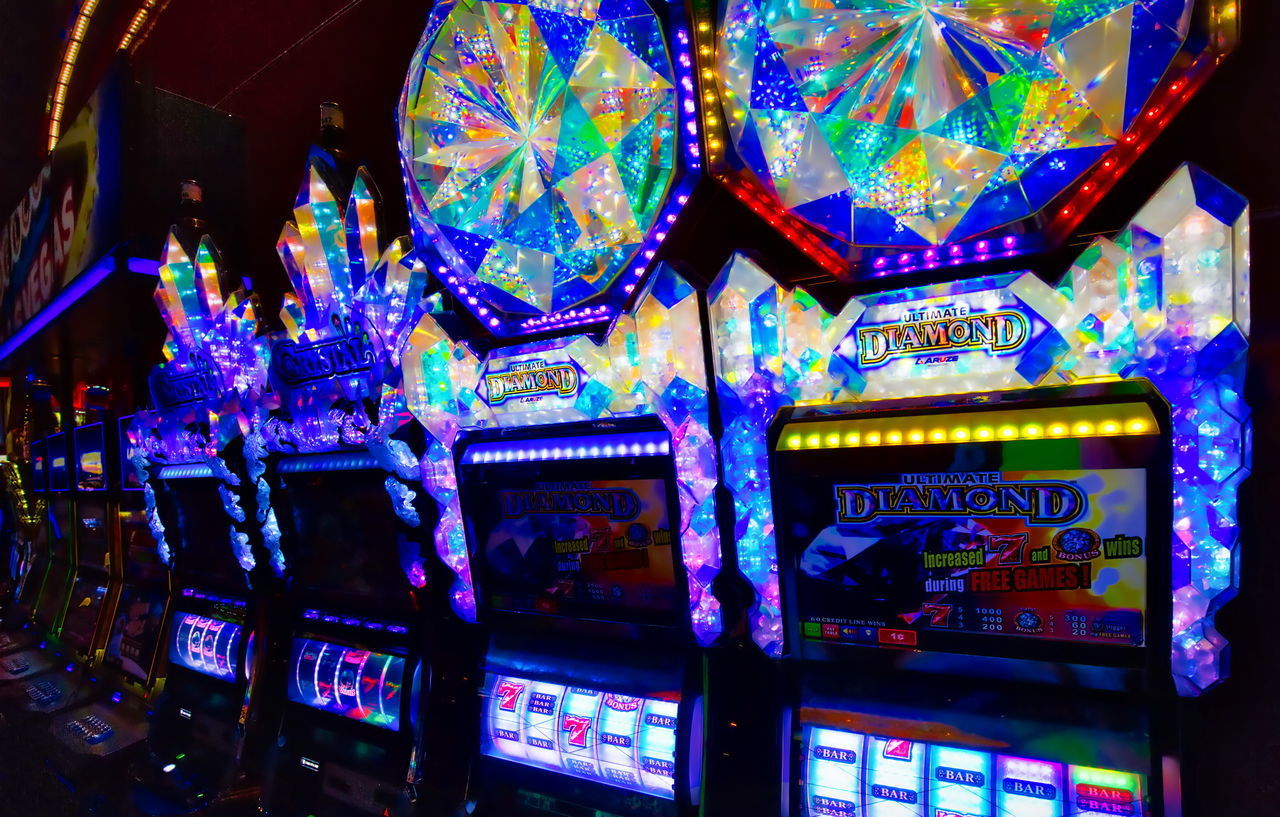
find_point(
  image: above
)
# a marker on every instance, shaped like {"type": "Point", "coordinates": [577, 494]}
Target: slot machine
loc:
{"type": "Point", "coordinates": [339, 467]}
{"type": "Point", "coordinates": [561, 377]}
{"type": "Point", "coordinates": [985, 487]}
{"type": "Point", "coordinates": [188, 468]}
{"type": "Point", "coordinates": [20, 616]}
{"type": "Point", "coordinates": [93, 591]}
{"type": "Point", "coordinates": [39, 649]}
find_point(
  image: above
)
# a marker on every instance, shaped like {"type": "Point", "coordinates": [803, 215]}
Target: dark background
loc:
{"type": "Point", "coordinates": [269, 62]}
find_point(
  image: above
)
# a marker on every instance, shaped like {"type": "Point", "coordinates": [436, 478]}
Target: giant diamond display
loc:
{"type": "Point", "coordinates": [539, 144]}
{"type": "Point", "coordinates": [915, 122]}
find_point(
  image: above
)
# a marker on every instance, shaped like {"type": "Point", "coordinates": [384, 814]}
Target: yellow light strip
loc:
{"type": "Point", "coordinates": [135, 25]}
{"type": "Point", "coordinates": [58, 99]}
{"type": "Point", "coordinates": [1049, 423]}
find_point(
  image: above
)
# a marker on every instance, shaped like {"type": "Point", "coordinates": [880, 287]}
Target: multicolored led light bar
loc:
{"type": "Point", "coordinates": [850, 774]}
{"type": "Point", "coordinates": [1167, 299]}
{"type": "Point", "coordinates": [644, 444]}
{"type": "Point", "coordinates": [357, 684]}
{"type": "Point", "coordinates": [624, 741]}
{"type": "Point", "coordinates": [1067, 422]}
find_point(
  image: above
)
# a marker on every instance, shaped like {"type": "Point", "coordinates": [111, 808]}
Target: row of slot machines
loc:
{"type": "Point", "coordinates": [731, 553]}
{"type": "Point", "coordinates": [590, 696]}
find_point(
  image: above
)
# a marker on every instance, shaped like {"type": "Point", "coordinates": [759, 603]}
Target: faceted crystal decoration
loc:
{"type": "Point", "coordinates": [916, 122]}
{"type": "Point", "coordinates": [539, 145]}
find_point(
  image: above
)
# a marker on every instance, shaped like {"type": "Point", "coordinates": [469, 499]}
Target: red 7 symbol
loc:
{"type": "Point", "coordinates": [1010, 546]}
{"type": "Point", "coordinates": [508, 693]}
{"type": "Point", "coordinates": [939, 614]}
{"type": "Point", "coordinates": [577, 726]}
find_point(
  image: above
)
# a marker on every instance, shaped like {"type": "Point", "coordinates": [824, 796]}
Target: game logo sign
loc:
{"type": "Point", "coordinates": [579, 546]}
{"type": "Point", "coordinates": [1051, 555]}
{"type": "Point", "coordinates": [39, 467]}
{"type": "Point", "coordinates": [532, 382]}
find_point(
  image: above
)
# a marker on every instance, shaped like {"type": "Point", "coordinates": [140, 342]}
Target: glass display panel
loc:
{"type": "Point", "coordinates": [39, 466]}
{"type": "Point", "coordinates": [53, 597]}
{"type": "Point", "coordinates": [620, 740]}
{"type": "Point", "coordinates": [207, 645]}
{"type": "Point", "coordinates": [142, 563]}
{"type": "Point", "coordinates": [59, 462]}
{"type": "Point", "coordinates": [85, 608]}
{"type": "Point", "coordinates": [1030, 540]}
{"type": "Point", "coordinates": [855, 774]}
{"type": "Point", "coordinates": [61, 519]}
{"type": "Point", "coordinates": [194, 510]}
{"type": "Point", "coordinates": [128, 476]}
{"type": "Point", "coordinates": [91, 458]}
{"type": "Point", "coordinates": [345, 530]}
{"type": "Point", "coordinates": [357, 684]}
{"type": "Point", "coordinates": [588, 538]}
{"type": "Point", "coordinates": [135, 633]}
{"type": "Point", "coordinates": [92, 530]}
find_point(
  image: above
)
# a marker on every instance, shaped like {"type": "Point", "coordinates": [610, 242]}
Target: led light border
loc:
{"type": "Point", "coordinates": [651, 444]}
{"type": "Point", "coordinates": [1075, 422]}
{"type": "Point", "coordinates": [1064, 212]}
{"type": "Point", "coordinates": [602, 309]}
{"type": "Point", "coordinates": [58, 96]}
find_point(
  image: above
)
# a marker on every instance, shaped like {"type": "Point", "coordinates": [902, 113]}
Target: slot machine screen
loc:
{"type": "Point", "coordinates": [588, 538]}
{"type": "Point", "coordinates": [207, 645]}
{"type": "Point", "coordinates": [358, 684]}
{"type": "Point", "coordinates": [61, 519]}
{"type": "Point", "coordinates": [195, 512]}
{"type": "Point", "coordinates": [957, 545]}
{"type": "Point", "coordinates": [81, 622]}
{"type": "Point", "coordinates": [59, 462]}
{"type": "Point", "coordinates": [624, 741]}
{"type": "Point", "coordinates": [128, 476]}
{"type": "Point", "coordinates": [136, 630]}
{"type": "Point", "coordinates": [29, 592]}
{"type": "Point", "coordinates": [345, 530]}
{"type": "Point", "coordinates": [39, 466]}
{"type": "Point", "coordinates": [91, 458]}
{"type": "Point", "coordinates": [92, 543]}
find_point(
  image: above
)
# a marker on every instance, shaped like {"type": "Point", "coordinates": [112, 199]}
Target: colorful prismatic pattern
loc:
{"type": "Point", "coordinates": [918, 122]}
{"type": "Point", "coordinates": [540, 146]}
{"type": "Point", "coordinates": [651, 363]}
{"type": "Point", "coordinates": [336, 367]}
{"type": "Point", "coordinates": [1167, 299]}
{"type": "Point", "coordinates": [215, 367]}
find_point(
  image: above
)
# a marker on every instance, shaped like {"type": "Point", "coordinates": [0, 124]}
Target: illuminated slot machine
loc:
{"type": "Point", "coordinates": [341, 472]}
{"type": "Point", "coordinates": [35, 528]}
{"type": "Point", "coordinates": [186, 463]}
{"type": "Point", "coordinates": [560, 373]}
{"type": "Point", "coordinates": [93, 590]}
{"type": "Point", "coordinates": [985, 488]}
{"type": "Point", "coordinates": [43, 649]}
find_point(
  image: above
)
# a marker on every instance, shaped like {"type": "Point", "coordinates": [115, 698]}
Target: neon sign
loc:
{"type": "Point", "coordinates": [529, 380]}
{"type": "Point", "coordinates": [941, 330]}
